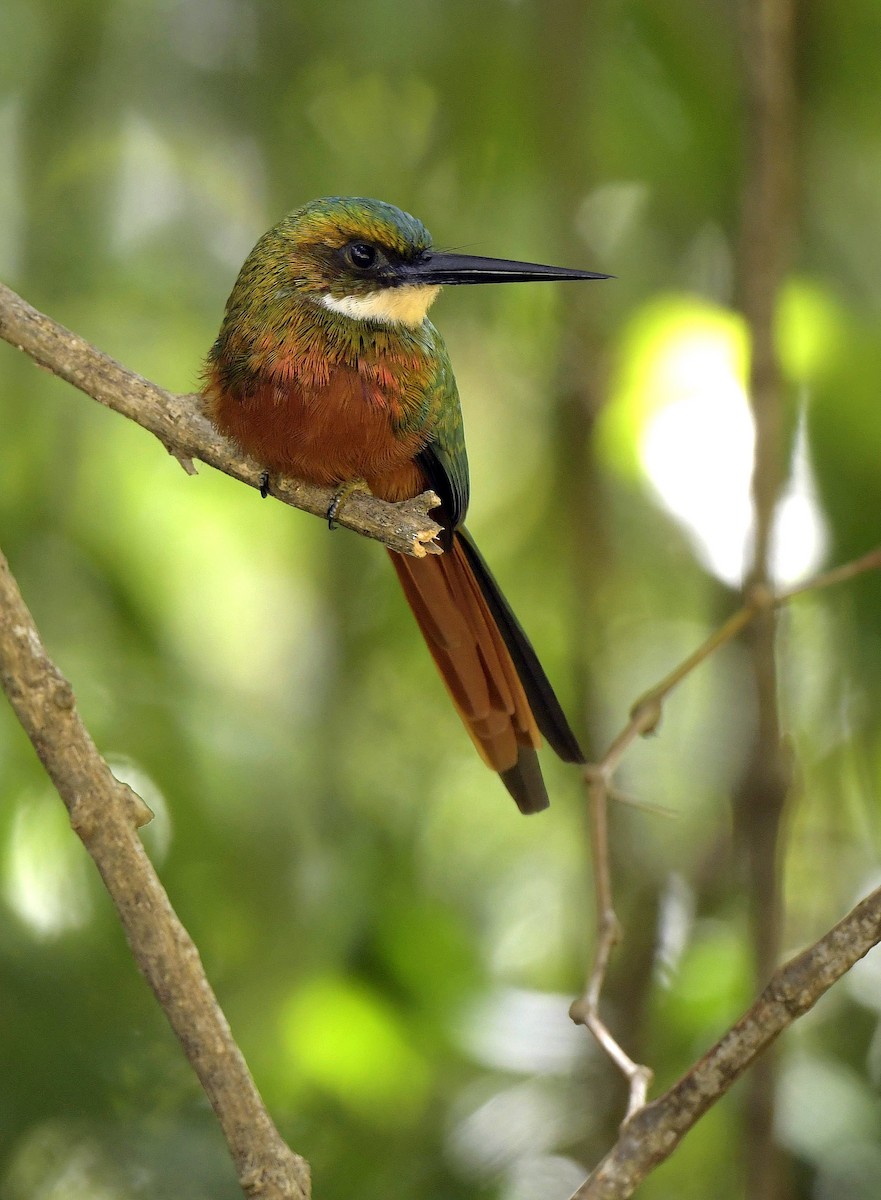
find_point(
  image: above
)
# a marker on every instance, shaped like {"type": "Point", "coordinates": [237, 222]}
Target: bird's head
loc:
{"type": "Point", "coordinates": [370, 261]}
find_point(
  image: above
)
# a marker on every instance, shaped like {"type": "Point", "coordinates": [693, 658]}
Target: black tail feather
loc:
{"type": "Point", "coordinates": [545, 706]}
{"type": "Point", "coordinates": [525, 783]}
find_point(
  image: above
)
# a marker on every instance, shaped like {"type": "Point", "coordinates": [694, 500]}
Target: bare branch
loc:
{"type": "Point", "coordinates": [586, 1009]}
{"type": "Point", "coordinates": [645, 716]}
{"type": "Point", "coordinates": [760, 797]}
{"type": "Point", "coordinates": [106, 814]}
{"type": "Point", "coordinates": [835, 575]}
{"type": "Point", "coordinates": [652, 1135]}
{"type": "Point", "coordinates": [187, 433]}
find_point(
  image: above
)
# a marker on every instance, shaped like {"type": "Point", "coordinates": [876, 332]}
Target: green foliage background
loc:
{"type": "Point", "coordinates": [394, 945]}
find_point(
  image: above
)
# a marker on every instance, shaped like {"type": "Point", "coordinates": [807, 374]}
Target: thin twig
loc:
{"type": "Point", "coordinates": [106, 815]}
{"type": "Point", "coordinates": [653, 1133]}
{"type": "Point", "coordinates": [645, 716]}
{"type": "Point", "coordinates": [187, 433]}
{"type": "Point", "coordinates": [836, 575]}
{"type": "Point", "coordinates": [586, 1009]}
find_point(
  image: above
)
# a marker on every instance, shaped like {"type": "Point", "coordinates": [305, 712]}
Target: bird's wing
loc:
{"type": "Point", "coordinates": [444, 459]}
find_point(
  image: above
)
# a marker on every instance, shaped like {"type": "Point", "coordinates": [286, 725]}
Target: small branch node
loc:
{"type": "Point", "coordinates": [579, 1011]}
{"type": "Point", "coordinates": [610, 928]}
{"type": "Point", "coordinates": [760, 597]}
{"type": "Point", "coordinates": [646, 713]}
{"type": "Point", "coordinates": [640, 1082]}
{"type": "Point", "coordinates": [62, 694]}
{"type": "Point", "coordinates": [596, 775]}
{"type": "Point", "coordinates": [139, 810]}
{"type": "Point", "coordinates": [186, 462]}
{"type": "Point", "coordinates": [82, 818]}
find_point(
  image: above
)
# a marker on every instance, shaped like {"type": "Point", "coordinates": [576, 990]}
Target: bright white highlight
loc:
{"type": "Point", "coordinates": [45, 873]}
{"type": "Point", "coordinates": [697, 449]}
{"type": "Point", "coordinates": [405, 305]}
{"type": "Point", "coordinates": [800, 538]}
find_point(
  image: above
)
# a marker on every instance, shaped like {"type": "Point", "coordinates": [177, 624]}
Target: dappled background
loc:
{"type": "Point", "coordinates": [395, 946]}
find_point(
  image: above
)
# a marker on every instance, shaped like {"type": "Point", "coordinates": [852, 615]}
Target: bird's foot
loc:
{"type": "Point", "coordinates": [264, 484]}
{"type": "Point", "coordinates": [336, 504]}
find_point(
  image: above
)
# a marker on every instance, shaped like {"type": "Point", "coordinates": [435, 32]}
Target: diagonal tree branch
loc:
{"type": "Point", "coordinates": [106, 815]}
{"type": "Point", "coordinates": [187, 433]}
{"type": "Point", "coordinates": [652, 1135]}
{"type": "Point", "coordinates": [645, 716]}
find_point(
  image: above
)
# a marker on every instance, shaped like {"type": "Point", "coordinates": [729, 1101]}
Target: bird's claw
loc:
{"type": "Point", "coordinates": [336, 504]}
{"type": "Point", "coordinates": [264, 484]}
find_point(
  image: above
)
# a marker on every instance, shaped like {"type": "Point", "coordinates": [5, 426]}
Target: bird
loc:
{"type": "Point", "coordinates": [327, 368]}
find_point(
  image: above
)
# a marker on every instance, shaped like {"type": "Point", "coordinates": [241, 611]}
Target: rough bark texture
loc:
{"type": "Point", "coordinates": [105, 815]}
{"type": "Point", "coordinates": [652, 1135]}
{"type": "Point", "coordinates": [186, 432]}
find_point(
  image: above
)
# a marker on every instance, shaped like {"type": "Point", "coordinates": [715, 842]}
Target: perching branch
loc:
{"type": "Point", "coordinates": [186, 432]}
{"type": "Point", "coordinates": [106, 815]}
{"type": "Point", "coordinates": [653, 1133]}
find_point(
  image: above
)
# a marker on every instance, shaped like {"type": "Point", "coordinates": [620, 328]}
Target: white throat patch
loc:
{"type": "Point", "coordinates": [405, 305]}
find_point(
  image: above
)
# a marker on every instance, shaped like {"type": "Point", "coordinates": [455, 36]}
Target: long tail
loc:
{"type": "Point", "coordinates": [488, 665]}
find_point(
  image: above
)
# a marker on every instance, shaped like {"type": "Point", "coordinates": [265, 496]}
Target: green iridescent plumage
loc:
{"type": "Point", "coordinates": [327, 367]}
{"type": "Point", "coordinates": [278, 293]}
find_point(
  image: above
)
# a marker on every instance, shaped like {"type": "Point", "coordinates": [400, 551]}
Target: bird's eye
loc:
{"type": "Point", "coordinates": [361, 255]}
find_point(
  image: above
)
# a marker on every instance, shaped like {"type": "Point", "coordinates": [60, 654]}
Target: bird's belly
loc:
{"type": "Point", "coordinates": [326, 435]}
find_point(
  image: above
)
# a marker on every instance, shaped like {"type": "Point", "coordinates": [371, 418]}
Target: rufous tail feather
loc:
{"type": "Point", "coordinates": [488, 665]}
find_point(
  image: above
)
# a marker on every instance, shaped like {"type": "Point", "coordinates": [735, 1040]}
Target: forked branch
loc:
{"type": "Point", "coordinates": [106, 815]}
{"type": "Point", "coordinates": [671, 1120]}
{"type": "Point", "coordinates": [653, 1133]}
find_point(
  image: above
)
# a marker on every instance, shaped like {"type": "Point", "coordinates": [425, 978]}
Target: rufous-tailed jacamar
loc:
{"type": "Point", "coordinates": [327, 368]}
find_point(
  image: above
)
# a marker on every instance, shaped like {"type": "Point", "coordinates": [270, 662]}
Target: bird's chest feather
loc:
{"type": "Point", "coordinates": [325, 423]}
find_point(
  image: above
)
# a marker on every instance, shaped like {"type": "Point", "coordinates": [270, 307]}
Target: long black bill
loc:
{"type": "Point", "coordinates": [468, 268]}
